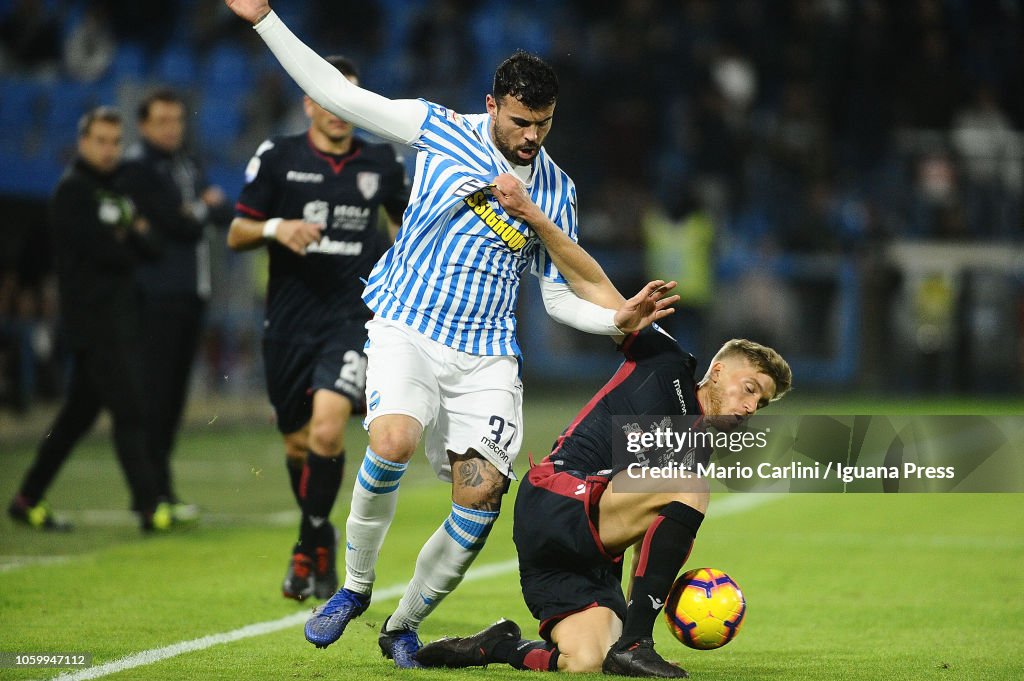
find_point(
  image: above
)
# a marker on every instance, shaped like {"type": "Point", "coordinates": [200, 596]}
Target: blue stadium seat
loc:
{"type": "Point", "coordinates": [176, 66]}
{"type": "Point", "coordinates": [218, 123]}
{"type": "Point", "coordinates": [22, 102]}
{"type": "Point", "coordinates": [129, 62]}
{"type": "Point", "coordinates": [36, 175]}
{"type": "Point", "coordinates": [227, 66]}
{"type": "Point", "coordinates": [228, 177]}
{"type": "Point", "coordinates": [67, 100]}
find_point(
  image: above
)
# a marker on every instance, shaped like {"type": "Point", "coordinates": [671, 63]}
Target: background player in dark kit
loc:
{"type": "Point", "coordinates": [99, 241]}
{"type": "Point", "coordinates": [572, 526]}
{"type": "Point", "coordinates": [313, 198]}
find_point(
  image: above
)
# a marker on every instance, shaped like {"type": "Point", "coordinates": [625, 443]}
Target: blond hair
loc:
{"type": "Point", "coordinates": [761, 357]}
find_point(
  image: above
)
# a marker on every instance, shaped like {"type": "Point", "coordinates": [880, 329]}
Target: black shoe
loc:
{"type": "Point", "coordinates": [640, 659]}
{"type": "Point", "coordinates": [298, 580]}
{"type": "Point", "coordinates": [38, 517]}
{"type": "Point", "coordinates": [469, 651]}
{"type": "Point", "coordinates": [325, 568]}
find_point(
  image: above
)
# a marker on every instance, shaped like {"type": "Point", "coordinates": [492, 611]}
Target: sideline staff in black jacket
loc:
{"type": "Point", "coordinates": [99, 239]}
{"type": "Point", "coordinates": [173, 194]}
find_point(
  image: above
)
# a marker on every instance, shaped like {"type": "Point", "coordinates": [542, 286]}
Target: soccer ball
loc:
{"type": "Point", "coordinates": [705, 608]}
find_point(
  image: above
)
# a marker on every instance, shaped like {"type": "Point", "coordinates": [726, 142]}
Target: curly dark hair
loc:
{"type": "Point", "coordinates": [528, 78]}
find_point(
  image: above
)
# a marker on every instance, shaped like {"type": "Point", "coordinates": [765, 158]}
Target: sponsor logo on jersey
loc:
{"type": "Point", "coordinates": [351, 218]}
{"type": "Point", "coordinates": [326, 245]}
{"type": "Point", "coordinates": [511, 236]}
{"type": "Point", "coordinates": [368, 183]}
{"type": "Point", "coordinates": [316, 212]}
{"type": "Point", "coordinates": [296, 176]}
{"type": "Point", "coordinates": [493, 446]}
{"type": "Point", "coordinates": [679, 395]}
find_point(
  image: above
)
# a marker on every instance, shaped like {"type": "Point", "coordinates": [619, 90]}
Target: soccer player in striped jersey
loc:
{"type": "Point", "coordinates": [487, 203]}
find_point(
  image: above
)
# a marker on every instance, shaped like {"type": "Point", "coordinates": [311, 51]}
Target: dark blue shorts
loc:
{"type": "Point", "coordinates": [295, 369]}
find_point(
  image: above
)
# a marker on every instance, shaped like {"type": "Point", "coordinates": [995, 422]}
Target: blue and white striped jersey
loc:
{"type": "Point", "coordinates": [454, 271]}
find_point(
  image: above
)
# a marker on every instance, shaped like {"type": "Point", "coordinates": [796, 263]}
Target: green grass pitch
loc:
{"type": "Point", "coordinates": [838, 586]}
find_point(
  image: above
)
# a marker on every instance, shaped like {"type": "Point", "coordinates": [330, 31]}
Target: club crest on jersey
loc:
{"type": "Point", "coordinates": [511, 236]}
{"type": "Point", "coordinates": [252, 169]}
{"type": "Point", "coordinates": [368, 184]}
{"type": "Point", "coordinates": [449, 114]}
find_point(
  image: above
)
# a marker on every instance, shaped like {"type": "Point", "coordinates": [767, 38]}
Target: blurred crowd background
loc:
{"type": "Point", "coordinates": [841, 179]}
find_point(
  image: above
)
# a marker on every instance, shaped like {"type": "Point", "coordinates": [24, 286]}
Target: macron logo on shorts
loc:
{"type": "Point", "coordinates": [374, 400]}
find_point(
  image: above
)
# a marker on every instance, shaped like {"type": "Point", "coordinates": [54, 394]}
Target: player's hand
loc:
{"type": "Point", "coordinates": [213, 196]}
{"type": "Point", "coordinates": [649, 305]}
{"type": "Point", "coordinates": [250, 10]}
{"type": "Point", "coordinates": [296, 235]}
{"type": "Point", "coordinates": [511, 194]}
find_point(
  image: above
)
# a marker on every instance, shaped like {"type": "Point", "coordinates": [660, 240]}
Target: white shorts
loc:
{"type": "Point", "coordinates": [463, 401]}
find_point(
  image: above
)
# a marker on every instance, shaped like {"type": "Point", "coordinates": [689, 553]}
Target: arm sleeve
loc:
{"type": "Point", "coordinates": [566, 307]}
{"type": "Point", "coordinates": [543, 267]}
{"type": "Point", "coordinates": [399, 120]}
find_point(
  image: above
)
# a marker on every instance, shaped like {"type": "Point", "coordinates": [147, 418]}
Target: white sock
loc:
{"type": "Point", "coordinates": [374, 499]}
{"type": "Point", "coordinates": [442, 562]}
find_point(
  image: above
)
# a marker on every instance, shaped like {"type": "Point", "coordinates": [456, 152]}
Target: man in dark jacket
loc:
{"type": "Point", "coordinates": [99, 239]}
{"type": "Point", "coordinates": [172, 193]}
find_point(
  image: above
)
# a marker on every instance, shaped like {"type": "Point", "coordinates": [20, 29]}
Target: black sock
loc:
{"type": "Point", "coordinates": [537, 656]}
{"type": "Point", "coordinates": [323, 480]}
{"type": "Point", "coordinates": [295, 477]}
{"type": "Point", "coordinates": [665, 548]}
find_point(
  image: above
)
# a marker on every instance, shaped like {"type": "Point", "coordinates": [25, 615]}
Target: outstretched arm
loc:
{"type": "Point", "coordinates": [649, 305]}
{"type": "Point", "coordinates": [396, 120]}
{"type": "Point", "coordinates": [590, 302]}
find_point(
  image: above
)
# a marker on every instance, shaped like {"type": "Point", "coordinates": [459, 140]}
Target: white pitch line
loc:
{"type": "Point", "coordinates": [11, 563]}
{"type": "Point", "coordinates": [157, 654]}
{"type": "Point", "coordinates": [121, 518]}
{"type": "Point", "coordinates": [737, 503]}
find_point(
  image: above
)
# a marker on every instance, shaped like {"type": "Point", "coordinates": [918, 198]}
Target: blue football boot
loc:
{"type": "Point", "coordinates": [328, 622]}
{"type": "Point", "coordinates": [400, 646]}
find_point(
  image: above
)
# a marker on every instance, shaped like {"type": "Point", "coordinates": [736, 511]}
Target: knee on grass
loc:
{"type": "Point", "coordinates": [582, 657]}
